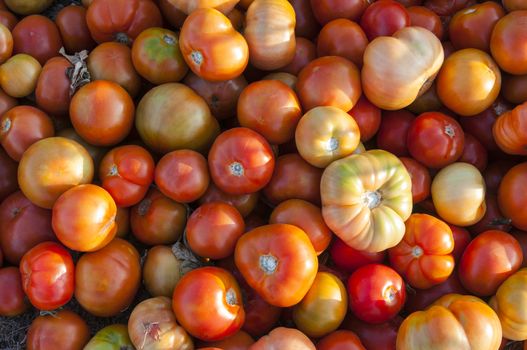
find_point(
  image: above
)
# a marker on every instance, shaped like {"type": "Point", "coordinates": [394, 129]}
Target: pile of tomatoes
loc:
{"type": "Point", "coordinates": [293, 175]}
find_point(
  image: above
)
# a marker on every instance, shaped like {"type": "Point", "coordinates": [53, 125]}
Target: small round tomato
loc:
{"type": "Point", "coordinates": [50, 167]}
{"type": "Point", "coordinates": [294, 178]}
{"type": "Point", "coordinates": [317, 315]}
{"type": "Point", "coordinates": [270, 108]}
{"type": "Point", "coordinates": [308, 217]}
{"type": "Point", "coordinates": [102, 112]}
{"type": "Point", "coordinates": [162, 270]}
{"type": "Point", "coordinates": [21, 126]}
{"type": "Point", "coordinates": [156, 56]}
{"type": "Point", "coordinates": [54, 87]}
{"type": "Point", "coordinates": [325, 134]}
{"type": "Point", "coordinates": [63, 330]}
{"type": "Point", "coordinates": [182, 175]}
{"type": "Point", "coordinates": [488, 260]}
{"type": "Point", "coordinates": [393, 131]}
{"type": "Point", "coordinates": [84, 218]}
{"type": "Point", "coordinates": [508, 34]}
{"type": "Point", "coordinates": [367, 116]}
{"type": "Point", "coordinates": [383, 18]}
{"type": "Point", "coordinates": [344, 38]}
{"type": "Point", "coordinates": [340, 340]}
{"type": "Point", "coordinates": [435, 139]}
{"type": "Point", "coordinates": [305, 52]}
{"type": "Point", "coordinates": [12, 297]}
{"type": "Point", "coordinates": [213, 230]}
{"type": "Point", "coordinates": [126, 173]}
{"type": "Point", "coordinates": [424, 256]}
{"type": "Point", "coordinates": [112, 337]}
{"type": "Point", "coordinates": [208, 303]}
{"type": "Point", "coordinates": [421, 16]}
{"type": "Point", "coordinates": [350, 259]}
{"type": "Point", "coordinates": [329, 81]}
{"type": "Point", "coordinates": [19, 75]}
{"type": "Point", "coordinates": [241, 161]}
{"type": "Point", "coordinates": [107, 280]}
{"type": "Point", "coordinates": [278, 261]}
{"type": "Point", "coordinates": [47, 272]}
{"type": "Point", "coordinates": [376, 293]}
{"type": "Point", "coordinates": [158, 219]}
{"type": "Point", "coordinates": [37, 36]}
{"type": "Point", "coordinates": [71, 21]}
{"type": "Point", "coordinates": [245, 203]}
{"type": "Point", "coordinates": [511, 200]}
{"type": "Point", "coordinates": [421, 179]}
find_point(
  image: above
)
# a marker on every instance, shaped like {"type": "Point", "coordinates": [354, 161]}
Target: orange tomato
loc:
{"type": "Point", "coordinates": [508, 34]}
{"type": "Point", "coordinates": [284, 338]}
{"type": "Point", "coordinates": [340, 340]}
{"type": "Point", "coordinates": [6, 43]}
{"type": "Point", "coordinates": [342, 37]}
{"type": "Point", "coordinates": [509, 130]}
{"type": "Point", "coordinates": [189, 6]}
{"type": "Point", "coordinates": [511, 201]}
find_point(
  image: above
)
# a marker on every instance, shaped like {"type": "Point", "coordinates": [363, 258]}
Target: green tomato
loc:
{"type": "Point", "coordinates": [113, 337]}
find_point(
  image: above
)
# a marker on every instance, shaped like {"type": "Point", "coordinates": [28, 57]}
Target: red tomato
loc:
{"type": "Point", "coordinates": [8, 19]}
{"type": "Point", "coordinates": [435, 139]}
{"type": "Point", "coordinates": [488, 260]}
{"type": "Point", "coordinates": [342, 37]}
{"type": "Point", "coordinates": [421, 16]}
{"type": "Point", "coordinates": [493, 218]}
{"type": "Point", "coordinates": [420, 299]}
{"type": "Point", "coordinates": [239, 341]}
{"type": "Point", "coordinates": [521, 237]}
{"type": "Point", "coordinates": [421, 180]}
{"type": "Point", "coordinates": [383, 18]}
{"type": "Point", "coordinates": [54, 87]}
{"type": "Point", "coordinates": [511, 198]}
{"type": "Point", "coordinates": [182, 175]}
{"type": "Point", "coordinates": [12, 297]}
{"type": "Point", "coordinates": [305, 52]}
{"type": "Point", "coordinates": [474, 153]}
{"type": "Point", "coordinates": [208, 303]}
{"type": "Point", "coordinates": [327, 10]}
{"type": "Point", "coordinates": [48, 275]}
{"type": "Point", "coordinates": [71, 21]}
{"type": "Point", "coordinates": [213, 230]}
{"type": "Point", "coordinates": [306, 24]}
{"type": "Point", "coordinates": [461, 240]}
{"type": "Point", "coordinates": [37, 36]}
{"type": "Point", "coordinates": [375, 336]}
{"type": "Point", "coordinates": [245, 203]}
{"type": "Point", "coordinates": [8, 175]}
{"type": "Point", "coordinates": [350, 259]}
{"type": "Point", "coordinates": [367, 116]}
{"type": "Point", "coordinates": [23, 225]}
{"type": "Point", "coordinates": [126, 173]}
{"type": "Point", "coordinates": [424, 256]}
{"type": "Point", "coordinates": [446, 7]}
{"type": "Point", "coordinates": [393, 131]}
{"type": "Point", "coordinates": [376, 293]}
{"type": "Point", "coordinates": [340, 340]}
{"type": "Point", "coordinates": [241, 161]}
{"type": "Point", "coordinates": [294, 178]}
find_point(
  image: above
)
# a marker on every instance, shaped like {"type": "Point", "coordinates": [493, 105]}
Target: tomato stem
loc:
{"type": "Point", "coordinates": [268, 264]}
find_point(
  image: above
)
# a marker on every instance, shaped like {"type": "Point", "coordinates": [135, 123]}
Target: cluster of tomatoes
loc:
{"type": "Point", "coordinates": [344, 173]}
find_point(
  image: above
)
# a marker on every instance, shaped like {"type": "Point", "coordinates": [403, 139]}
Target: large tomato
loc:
{"type": "Point", "coordinates": [458, 193]}
{"type": "Point", "coordinates": [112, 337]}
{"type": "Point", "coordinates": [63, 330]}
{"type": "Point", "coordinates": [271, 108]}
{"type": "Point", "coordinates": [126, 173]}
{"type": "Point", "coordinates": [342, 37]}
{"type": "Point", "coordinates": [488, 260]}
{"type": "Point", "coordinates": [367, 209]}
{"type": "Point", "coordinates": [270, 33]}
{"type": "Point", "coordinates": [212, 47]}
{"type": "Point", "coordinates": [106, 281]}
{"type": "Point", "coordinates": [84, 218]}
{"type": "Point", "coordinates": [376, 293]}
{"type": "Point", "coordinates": [400, 68]}
{"type": "Point", "coordinates": [208, 303]}
{"type": "Point", "coordinates": [12, 297]}
{"type": "Point", "coordinates": [317, 314]}
{"type": "Point", "coordinates": [37, 36]}
{"type": "Point", "coordinates": [121, 20]}
{"type": "Point", "coordinates": [325, 134]}
{"type": "Point", "coordinates": [23, 225]}
{"type": "Point", "coordinates": [509, 130]}
{"type": "Point", "coordinates": [152, 325]}
{"type": "Point", "coordinates": [511, 200]}
{"type": "Point", "coordinates": [50, 167]}
{"type": "Point", "coordinates": [278, 261]}
{"type": "Point", "coordinates": [384, 18]}
{"type": "Point", "coordinates": [453, 322]}
{"type": "Point", "coordinates": [284, 338]}
{"type": "Point", "coordinates": [47, 272]}
{"type": "Point", "coordinates": [172, 116]}
{"type": "Point", "coordinates": [54, 87]}
{"type": "Point", "coordinates": [241, 161]}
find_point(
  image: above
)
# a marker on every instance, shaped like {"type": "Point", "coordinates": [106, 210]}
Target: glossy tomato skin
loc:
{"type": "Point", "coordinates": [182, 175]}
{"type": "Point", "coordinates": [219, 289]}
{"type": "Point", "coordinates": [23, 225]}
{"type": "Point", "coordinates": [293, 178]}
{"type": "Point", "coordinates": [6, 48]}
{"type": "Point", "coordinates": [421, 179]}
{"type": "Point", "coordinates": [278, 261]}
{"type": "Point", "coordinates": [12, 297]}
{"type": "Point", "coordinates": [241, 161]}
{"type": "Point", "coordinates": [64, 330]}
{"type": "Point", "coordinates": [340, 340]}
{"type": "Point", "coordinates": [37, 36]}
{"type": "Point", "coordinates": [376, 293]}
{"type": "Point", "coordinates": [126, 173]}
{"type": "Point", "coordinates": [423, 17]}
{"type": "Point", "coordinates": [21, 126]}
{"type": "Point", "coordinates": [158, 219]}
{"type": "Point", "coordinates": [53, 91]}
{"type": "Point", "coordinates": [509, 132]}
{"type": "Point", "coordinates": [488, 260]}
{"type": "Point", "coordinates": [367, 116]}
{"type": "Point", "coordinates": [327, 10]}
{"type": "Point", "coordinates": [383, 18]}
{"type": "Point", "coordinates": [121, 20]}
{"type": "Point", "coordinates": [350, 259]}
{"type": "Point", "coordinates": [83, 218]}
{"type": "Point", "coordinates": [71, 22]}
{"type": "Point", "coordinates": [435, 139]}
{"type": "Point", "coordinates": [509, 32]}
{"type": "Point", "coordinates": [245, 203]}
{"type": "Point", "coordinates": [106, 281]}
{"type": "Point", "coordinates": [162, 270]}
{"type": "Point", "coordinates": [8, 175]}
{"type": "Point", "coordinates": [510, 195]}
{"type": "Point", "coordinates": [393, 131]}
{"type": "Point", "coordinates": [47, 272]}
{"type": "Point", "coordinates": [342, 37]}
